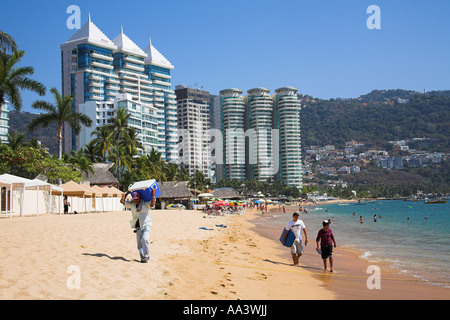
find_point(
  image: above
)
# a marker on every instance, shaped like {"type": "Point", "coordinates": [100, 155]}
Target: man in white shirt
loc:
{"type": "Point", "coordinates": [296, 226]}
{"type": "Point", "coordinates": [141, 221]}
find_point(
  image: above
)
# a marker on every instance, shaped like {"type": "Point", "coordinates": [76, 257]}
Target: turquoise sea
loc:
{"type": "Point", "coordinates": [413, 237]}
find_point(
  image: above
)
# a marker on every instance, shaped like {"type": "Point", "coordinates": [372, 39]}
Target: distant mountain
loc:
{"type": "Point", "coordinates": [377, 117]}
{"type": "Point", "coordinates": [47, 136]}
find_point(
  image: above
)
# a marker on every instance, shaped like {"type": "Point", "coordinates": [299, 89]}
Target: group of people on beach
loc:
{"type": "Point", "coordinates": [324, 240]}
{"type": "Point", "coordinates": [141, 222]}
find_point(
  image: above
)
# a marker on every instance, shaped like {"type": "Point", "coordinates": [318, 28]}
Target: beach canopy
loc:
{"type": "Point", "coordinates": [116, 192]}
{"type": "Point", "coordinates": [9, 179]}
{"type": "Point", "coordinates": [99, 192]}
{"type": "Point", "coordinates": [75, 190]}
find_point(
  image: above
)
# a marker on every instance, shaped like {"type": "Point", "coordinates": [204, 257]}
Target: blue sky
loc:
{"type": "Point", "coordinates": [323, 48]}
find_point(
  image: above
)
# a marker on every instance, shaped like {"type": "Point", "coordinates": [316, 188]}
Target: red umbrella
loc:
{"type": "Point", "coordinates": [221, 203]}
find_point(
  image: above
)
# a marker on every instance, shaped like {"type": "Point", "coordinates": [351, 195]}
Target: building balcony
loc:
{"type": "Point", "coordinates": [101, 65]}
{"type": "Point", "coordinates": [112, 87]}
{"type": "Point", "coordinates": [101, 56]}
{"type": "Point", "coordinates": [161, 75]}
{"type": "Point", "coordinates": [128, 77]}
{"type": "Point", "coordinates": [95, 90]}
{"type": "Point", "coordinates": [133, 60]}
{"type": "Point", "coordinates": [96, 84]}
{"type": "Point", "coordinates": [131, 90]}
{"type": "Point", "coordinates": [162, 83]}
{"type": "Point", "coordinates": [146, 81]}
{"type": "Point", "coordinates": [95, 97]}
{"type": "Point", "coordinates": [133, 67]}
{"type": "Point", "coordinates": [95, 77]}
{"type": "Point", "coordinates": [113, 80]}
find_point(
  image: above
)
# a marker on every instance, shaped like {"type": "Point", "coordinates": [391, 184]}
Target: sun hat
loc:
{"type": "Point", "coordinates": [325, 222]}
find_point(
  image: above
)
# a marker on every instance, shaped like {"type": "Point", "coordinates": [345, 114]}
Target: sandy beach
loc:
{"type": "Point", "coordinates": [193, 257]}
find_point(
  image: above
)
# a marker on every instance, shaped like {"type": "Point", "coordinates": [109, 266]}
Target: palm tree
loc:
{"type": "Point", "coordinates": [132, 142]}
{"type": "Point", "coordinates": [119, 128]}
{"type": "Point", "coordinates": [15, 139]}
{"type": "Point", "coordinates": [60, 113]}
{"type": "Point", "coordinates": [121, 160]}
{"type": "Point", "coordinates": [14, 78]}
{"type": "Point", "coordinates": [199, 181]}
{"type": "Point", "coordinates": [90, 152]}
{"type": "Point", "coordinates": [155, 165]}
{"type": "Point", "coordinates": [83, 163]}
{"type": "Point", "coordinates": [171, 171]}
{"type": "Point", "coordinates": [7, 42]}
{"type": "Point", "coordinates": [119, 124]}
{"type": "Point", "coordinates": [103, 142]}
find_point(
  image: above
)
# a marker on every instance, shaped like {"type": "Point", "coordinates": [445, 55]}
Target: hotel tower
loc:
{"type": "Point", "coordinates": [287, 120]}
{"type": "Point", "coordinates": [105, 75]}
{"type": "Point", "coordinates": [259, 113]}
{"type": "Point", "coordinates": [260, 134]}
{"type": "Point", "coordinates": [232, 111]}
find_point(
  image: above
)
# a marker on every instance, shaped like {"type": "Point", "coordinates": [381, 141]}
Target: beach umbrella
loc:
{"type": "Point", "coordinates": [205, 195]}
{"type": "Point", "coordinates": [215, 199]}
{"type": "Point", "coordinates": [221, 203]}
{"type": "Point", "coordinates": [258, 201]}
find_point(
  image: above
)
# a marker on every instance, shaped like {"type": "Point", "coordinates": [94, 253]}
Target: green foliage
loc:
{"type": "Point", "coordinates": [29, 162]}
{"type": "Point", "coordinates": [13, 78]}
{"type": "Point", "coordinates": [376, 118]}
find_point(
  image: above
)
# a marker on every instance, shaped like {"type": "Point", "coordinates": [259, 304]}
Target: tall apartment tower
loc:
{"type": "Point", "coordinates": [99, 72]}
{"type": "Point", "coordinates": [193, 130]}
{"type": "Point", "coordinates": [286, 119]}
{"type": "Point", "coordinates": [259, 131]}
{"type": "Point", "coordinates": [261, 135]}
{"type": "Point", "coordinates": [232, 111]}
{"type": "Point", "coordinates": [4, 122]}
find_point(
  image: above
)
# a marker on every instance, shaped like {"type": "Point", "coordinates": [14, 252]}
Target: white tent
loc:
{"type": "Point", "coordinates": [18, 186]}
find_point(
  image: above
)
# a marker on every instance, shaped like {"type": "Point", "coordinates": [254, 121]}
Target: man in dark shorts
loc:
{"type": "Point", "coordinates": [325, 239]}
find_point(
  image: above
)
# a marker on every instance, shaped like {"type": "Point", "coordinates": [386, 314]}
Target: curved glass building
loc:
{"type": "Point", "coordinates": [287, 117]}
{"type": "Point", "coordinates": [259, 109]}
{"type": "Point", "coordinates": [232, 127]}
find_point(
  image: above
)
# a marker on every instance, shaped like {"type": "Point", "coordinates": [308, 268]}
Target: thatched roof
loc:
{"type": "Point", "coordinates": [101, 175]}
{"type": "Point", "coordinates": [226, 193]}
{"type": "Point", "coordinates": [174, 190]}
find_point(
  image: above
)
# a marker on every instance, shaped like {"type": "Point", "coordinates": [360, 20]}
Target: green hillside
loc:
{"type": "Point", "coordinates": [378, 117]}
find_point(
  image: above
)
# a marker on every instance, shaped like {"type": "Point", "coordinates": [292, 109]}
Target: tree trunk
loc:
{"type": "Point", "coordinates": [59, 141]}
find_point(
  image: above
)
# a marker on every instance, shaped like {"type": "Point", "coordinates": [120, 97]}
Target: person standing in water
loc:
{"type": "Point", "coordinates": [296, 226]}
{"type": "Point", "coordinates": [325, 239]}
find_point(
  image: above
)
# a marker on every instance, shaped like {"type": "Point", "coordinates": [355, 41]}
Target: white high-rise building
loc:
{"type": "Point", "coordinates": [261, 135]}
{"type": "Point", "coordinates": [4, 122]}
{"type": "Point", "coordinates": [287, 119]}
{"type": "Point", "coordinates": [96, 69]}
{"type": "Point", "coordinates": [232, 108]}
{"type": "Point", "coordinates": [260, 154]}
{"type": "Point", "coordinates": [193, 130]}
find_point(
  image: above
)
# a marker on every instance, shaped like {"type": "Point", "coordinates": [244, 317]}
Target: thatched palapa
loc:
{"type": "Point", "coordinates": [101, 176]}
{"type": "Point", "coordinates": [174, 190]}
{"type": "Point", "coordinates": [226, 193]}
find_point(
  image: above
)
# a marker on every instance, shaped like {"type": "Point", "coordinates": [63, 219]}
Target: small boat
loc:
{"type": "Point", "coordinates": [427, 201]}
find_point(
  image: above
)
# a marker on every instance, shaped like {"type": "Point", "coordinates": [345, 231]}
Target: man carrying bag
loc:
{"type": "Point", "coordinates": [142, 222]}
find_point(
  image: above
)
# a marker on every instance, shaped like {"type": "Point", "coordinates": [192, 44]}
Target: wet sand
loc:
{"type": "Point", "coordinates": [351, 273]}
